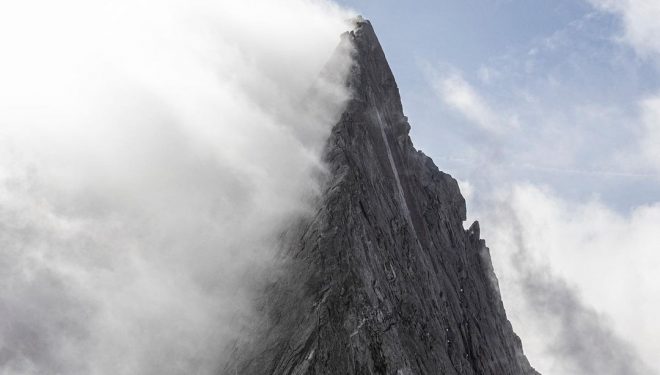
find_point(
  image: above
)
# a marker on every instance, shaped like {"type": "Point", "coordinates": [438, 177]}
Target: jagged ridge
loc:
{"type": "Point", "coordinates": [384, 279]}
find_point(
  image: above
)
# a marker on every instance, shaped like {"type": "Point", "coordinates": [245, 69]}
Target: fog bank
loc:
{"type": "Point", "coordinates": [150, 153]}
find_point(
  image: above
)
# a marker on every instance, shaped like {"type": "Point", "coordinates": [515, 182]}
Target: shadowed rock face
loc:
{"type": "Point", "coordinates": [383, 279]}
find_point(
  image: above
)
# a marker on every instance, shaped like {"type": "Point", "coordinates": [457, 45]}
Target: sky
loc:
{"type": "Point", "coordinates": [548, 114]}
{"type": "Point", "coordinates": [151, 152]}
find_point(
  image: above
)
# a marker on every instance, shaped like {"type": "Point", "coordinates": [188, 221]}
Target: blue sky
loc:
{"type": "Point", "coordinates": [555, 67]}
{"type": "Point", "coordinates": [547, 113]}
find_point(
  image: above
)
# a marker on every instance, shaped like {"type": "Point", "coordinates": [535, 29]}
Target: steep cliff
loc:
{"type": "Point", "coordinates": [383, 279]}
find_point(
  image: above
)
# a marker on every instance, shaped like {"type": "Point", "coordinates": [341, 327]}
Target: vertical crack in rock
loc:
{"type": "Point", "coordinates": [402, 197]}
{"type": "Point", "coordinates": [382, 278]}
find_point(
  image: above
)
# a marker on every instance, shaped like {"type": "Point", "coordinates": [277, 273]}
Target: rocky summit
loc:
{"type": "Point", "coordinates": [383, 279]}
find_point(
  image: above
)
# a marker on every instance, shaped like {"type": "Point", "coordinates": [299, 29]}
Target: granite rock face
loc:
{"type": "Point", "coordinates": [383, 279]}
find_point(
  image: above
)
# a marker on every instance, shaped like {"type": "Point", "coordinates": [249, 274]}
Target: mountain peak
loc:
{"type": "Point", "coordinates": [371, 68]}
{"type": "Point", "coordinates": [383, 279]}
{"type": "Point", "coordinates": [363, 30]}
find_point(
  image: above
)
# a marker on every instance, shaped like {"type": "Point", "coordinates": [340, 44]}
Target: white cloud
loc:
{"type": "Point", "coordinates": [458, 94]}
{"type": "Point", "coordinates": [650, 139]}
{"type": "Point", "coordinates": [579, 280]}
{"type": "Point", "coordinates": [150, 152]}
{"type": "Point", "coordinates": [578, 277]}
{"type": "Point", "coordinates": [641, 30]}
{"type": "Point", "coordinates": [487, 74]}
{"type": "Point", "coordinates": [640, 22]}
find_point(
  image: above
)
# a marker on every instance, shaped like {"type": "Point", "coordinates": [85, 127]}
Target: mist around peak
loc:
{"type": "Point", "coordinates": [150, 154]}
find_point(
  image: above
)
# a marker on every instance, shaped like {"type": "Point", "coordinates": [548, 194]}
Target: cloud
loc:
{"type": "Point", "coordinates": [641, 31]}
{"type": "Point", "coordinates": [577, 276]}
{"type": "Point", "coordinates": [650, 139]}
{"type": "Point", "coordinates": [640, 27]}
{"type": "Point", "coordinates": [150, 154]}
{"type": "Point", "coordinates": [459, 95]}
{"type": "Point", "coordinates": [516, 128]}
{"type": "Point", "coordinates": [603, 321]}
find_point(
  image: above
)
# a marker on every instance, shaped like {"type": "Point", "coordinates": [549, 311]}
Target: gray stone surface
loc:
{"type": "Point", "coordinates": [383, 279]}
